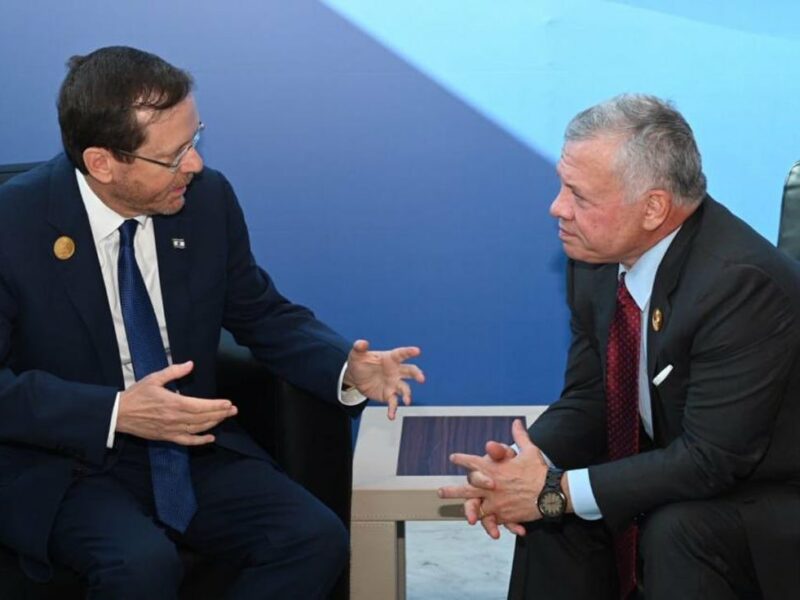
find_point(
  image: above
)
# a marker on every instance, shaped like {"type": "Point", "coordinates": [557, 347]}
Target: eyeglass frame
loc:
{"type": "Point", "coordinates": [176, 162]}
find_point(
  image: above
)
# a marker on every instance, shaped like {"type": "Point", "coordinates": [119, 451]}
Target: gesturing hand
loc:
{"type": "Point", "coordinates": [380, 375]}
{"type": "Point", "coordinates": [149, 410]}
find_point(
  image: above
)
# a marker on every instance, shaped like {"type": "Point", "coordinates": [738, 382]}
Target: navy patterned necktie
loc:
{"type": "Point", "coordinates": [622, 413]}
{"type": "Point", "coordinates": [169, 463]}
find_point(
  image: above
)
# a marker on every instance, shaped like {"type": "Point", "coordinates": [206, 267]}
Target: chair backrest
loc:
{"type": "Point", "coordinates": [9, 171]}
{"type": "Point", "coordinates": [789, 231]}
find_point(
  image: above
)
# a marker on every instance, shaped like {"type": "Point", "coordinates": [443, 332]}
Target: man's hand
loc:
{"type": "Point", "coordinates": [502, 488]}
{"type": "Point", "coordinates": [473, 509]}
{"type": "Point", "coordinates": [149, 410]}
{"type": "Point", "coordinates": [380, 375]}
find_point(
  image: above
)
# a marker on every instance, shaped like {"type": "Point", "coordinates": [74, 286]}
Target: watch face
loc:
{"type": "Point", "coordinates": [551, 504]}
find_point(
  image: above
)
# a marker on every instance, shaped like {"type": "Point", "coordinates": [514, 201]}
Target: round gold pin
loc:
{"type": "Point", "coordinates": [657, 320]}
{"type": "Point", "coordinates": [64, 248]}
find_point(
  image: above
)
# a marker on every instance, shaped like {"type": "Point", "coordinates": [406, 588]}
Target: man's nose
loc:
{"type": "Point", "coordinates": [559, 208]}
{"type": "Point", "coordinates": [192, 162]}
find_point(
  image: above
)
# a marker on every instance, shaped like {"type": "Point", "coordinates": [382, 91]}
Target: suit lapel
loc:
{"type": "Point", "coordinates": [174, 250]}
{"type": "Point", "coordinates": [80, 274]}
{"type": "Point", "coordinates": [667, 277]}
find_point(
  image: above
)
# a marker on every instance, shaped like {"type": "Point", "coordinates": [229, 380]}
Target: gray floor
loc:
{"type": "Point", "coordinates": [449, 560]}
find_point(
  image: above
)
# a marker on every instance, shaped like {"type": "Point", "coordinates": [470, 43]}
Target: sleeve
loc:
{"type": "Point", "coordinates": [572, 430]}
{"type": "Point", "coordinates": [287, 337]}
{"type": "Point", "coordinates": [42, 410]}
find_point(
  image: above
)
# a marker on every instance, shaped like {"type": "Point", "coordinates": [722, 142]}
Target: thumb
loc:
{"type": "Point", "coordinates": [360, 346]}
{"type": "Point", "coordinates": [171, 373]}
{"type": "Point", "coordinates": [521, 437]}
{"type": "Point", "coordinates": [498, 451]}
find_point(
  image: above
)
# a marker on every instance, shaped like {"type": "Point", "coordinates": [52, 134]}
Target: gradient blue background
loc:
{"type": "Point", "coordinates": [395, 158]}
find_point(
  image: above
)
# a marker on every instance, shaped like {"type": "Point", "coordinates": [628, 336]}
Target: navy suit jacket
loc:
{"type": "Point", "coordinates": [727, 418]}
{"type": "Point", "coordinates": [59, 360]}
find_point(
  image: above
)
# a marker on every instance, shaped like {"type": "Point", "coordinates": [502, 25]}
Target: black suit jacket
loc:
{"type": "Point", "coordinates": [59, 360]}
{"type": "Point", "coordinates": [727, 418]}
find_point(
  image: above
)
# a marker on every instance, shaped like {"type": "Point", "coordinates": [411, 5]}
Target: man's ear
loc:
{"type": "Point", "coordinates": [99, 163]}
{"type": "Point", "coordinates": [658, 204]}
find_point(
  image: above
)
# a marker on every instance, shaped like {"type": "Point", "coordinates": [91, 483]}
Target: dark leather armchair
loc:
{"type": "Point", "coordinates": [310, 439]}
{"type": "Point", "coordinates": [789, 231]}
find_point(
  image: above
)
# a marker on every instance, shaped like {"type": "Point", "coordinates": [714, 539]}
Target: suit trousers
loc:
{"type": "Point", "coordinates": [688, 550]}
{"type": "Point", "coordinates": [278, 539]}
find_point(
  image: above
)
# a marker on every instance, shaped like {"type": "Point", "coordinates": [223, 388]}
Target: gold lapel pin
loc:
{"type": "Point", "coordinates": [64, 248]}
{"type": "Point", "coordinates": [657, 320]}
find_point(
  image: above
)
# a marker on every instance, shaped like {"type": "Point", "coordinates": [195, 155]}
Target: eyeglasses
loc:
{"type": "Point", "coordinates": [172, 166]}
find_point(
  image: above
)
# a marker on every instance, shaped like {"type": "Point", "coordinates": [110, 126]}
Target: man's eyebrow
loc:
{"type": "Point", "coordinates": [573, 188]}
{"type": "Point", "coordinates": [180, 147]}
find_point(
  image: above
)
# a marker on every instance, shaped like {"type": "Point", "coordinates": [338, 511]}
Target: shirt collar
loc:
{"type": "Point", "coordinates": [640, 277]}
{"type": "Point", "coordinates": [103, 220]}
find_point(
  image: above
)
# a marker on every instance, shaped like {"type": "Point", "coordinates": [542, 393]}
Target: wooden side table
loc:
{"type": "Point", "coordinates": [397, 468]}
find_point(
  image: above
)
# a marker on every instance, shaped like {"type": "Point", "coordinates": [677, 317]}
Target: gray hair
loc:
{"type": "Point", "coordinates": [658, 149]}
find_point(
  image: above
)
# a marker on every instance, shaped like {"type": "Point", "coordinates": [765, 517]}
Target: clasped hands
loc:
{"type": "Point", "coordinates": [502, 486]}
{"type": "Point", "coordinates": [150, 410]}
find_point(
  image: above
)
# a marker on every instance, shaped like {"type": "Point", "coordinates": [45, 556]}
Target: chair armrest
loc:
{"type": "Point", "coordinates": [789, 230]}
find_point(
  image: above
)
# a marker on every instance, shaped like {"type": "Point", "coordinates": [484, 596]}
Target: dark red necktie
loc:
{"type": "Point", "coordinates": [622, 413]}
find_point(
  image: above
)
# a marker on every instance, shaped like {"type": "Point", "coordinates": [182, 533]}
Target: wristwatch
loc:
{"type": "Point", "coordinates": [552, 502]}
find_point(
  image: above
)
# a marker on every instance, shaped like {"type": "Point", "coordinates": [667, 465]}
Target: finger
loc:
{"type": "Point", "coordinates": [468, 461]}
{"type": "Point", "coordinates": [392, 402]}
{"type": "Point", "coordinates": [461, 491]}
{"type": "Point", "coordinates": [489, 523]}
{"type": "Point", "coordinates": [472, 510]}
{"type": "Point", "coordinates": [479, 480]}
{"type": "Point", "coordinates": [520, 435]}
{"type": "Point", "coordinates": [170, 373]}
{"type": "Point", "coordinates": [412, 372]}
{"type": "Point", "coordinates": [405, 391]}
{"type": "Point", "coordinates": [404, 353]}
{"type": "Point", "coordinates": [360, 346]}
{"type": "Point", "coordinates": [498, 451]}
{"type": "Point", "coordinates": [515, 528]}
{"type": "Point", "coordinates": [186, 439]}
{"type": "Point", "coordinates": [203, 407]}
{"type": "Point", "coordinates": [195, 428]}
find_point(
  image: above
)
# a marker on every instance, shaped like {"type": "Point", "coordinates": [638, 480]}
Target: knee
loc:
{"type": "Point", "coordinates": [317, 538]}
{"type": "Point", "coordinates": [142, 568]}
{"type": "Point", "coordinates": [673, 527]}
{"type": "Point", "coordinates": [324, 538]}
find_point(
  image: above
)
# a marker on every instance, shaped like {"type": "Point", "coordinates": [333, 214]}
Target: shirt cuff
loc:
{"type": "Point", "coordinates": [113, 428]}
{"type": "Point", "coordinates": [582, 496]}
{"type": "Point", "coordinates": [349, 397]}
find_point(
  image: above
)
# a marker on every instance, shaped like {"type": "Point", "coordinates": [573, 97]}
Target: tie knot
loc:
{"type": "Point", "coordinates": [127, 231]}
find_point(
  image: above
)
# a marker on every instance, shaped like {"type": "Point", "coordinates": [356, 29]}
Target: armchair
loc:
{"type": "Point", "coordinates": [310, 439]}
{"type": "Point", "coordinates": [789, 231]}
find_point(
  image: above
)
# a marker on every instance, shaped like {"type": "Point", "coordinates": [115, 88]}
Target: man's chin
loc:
{"type": "Point", "coordinates": [580, 254]}
{"type": "Point", "coordinates": [174, 206]}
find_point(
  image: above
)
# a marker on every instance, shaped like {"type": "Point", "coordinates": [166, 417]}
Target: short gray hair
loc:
{"type": "Point", "coordinates": [658, 149]}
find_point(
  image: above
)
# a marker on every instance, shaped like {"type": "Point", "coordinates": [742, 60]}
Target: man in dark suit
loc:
{"type": "Point", "coordinates": [685, 317]}
{"type": "Point", "coordinates": [120, 262]}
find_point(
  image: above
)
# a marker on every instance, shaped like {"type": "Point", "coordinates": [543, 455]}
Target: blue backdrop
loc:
{"type": "Point", "coordinates": [395, 158]}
